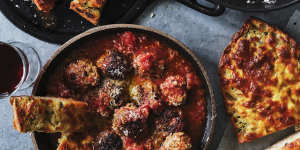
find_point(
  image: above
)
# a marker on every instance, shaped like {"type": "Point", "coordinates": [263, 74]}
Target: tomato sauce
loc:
{"type": "Point", "coordinates": [157, 61]}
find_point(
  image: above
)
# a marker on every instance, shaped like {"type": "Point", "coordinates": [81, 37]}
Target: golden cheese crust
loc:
{"type": "Point", "coordinates": [88, 9]}
{"type": "Point", "coordinates": [44, 5]}
{"type": "Point", "coordinates": [47, 114]}
{"type": "Point", "coordinates": [92, 3]}
{"type": "Point", "coordinates": [260, 80]}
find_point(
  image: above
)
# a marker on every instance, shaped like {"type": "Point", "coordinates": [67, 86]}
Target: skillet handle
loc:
{"type": "Point", "coordinates": [216, 11]}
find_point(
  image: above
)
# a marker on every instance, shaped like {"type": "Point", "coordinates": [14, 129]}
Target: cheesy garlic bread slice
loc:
{"type": "Point", "coordinates": [88, 9]}
{"type": "Point", "coordinates": [44, 5]}
{"type": "Point", "coordinates": [260, 80]}
{"type": "Point", "coordinates": [49, 114]}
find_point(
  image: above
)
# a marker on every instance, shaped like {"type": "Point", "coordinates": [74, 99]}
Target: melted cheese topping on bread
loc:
{"type": "Point", "coordinates": [260, 80]}
{"type": "Point", "coordinates": [88, 9]}
{"type": "Point", "coordinates": [50, 115]}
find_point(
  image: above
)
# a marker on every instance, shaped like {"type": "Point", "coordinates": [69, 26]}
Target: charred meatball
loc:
{"type": "Point", "coordinates": [113, 94]}
{"type": "Point", "coordinates": [108, 140]}
{"type": "Point", "coordinates": [177, 141]}
{"type": "Point", "coordinates": [171, 120]}
{"type": "Point", "coordinates": [145, 92]}
{"type": "Point", "coordinates": [131, 121]}
{"type": "Point", "coordinates": [174, 90]}
{"type": "Point", "coordinates": [82, 74]}
{"type": "Point", "coordinates": [114, 64]}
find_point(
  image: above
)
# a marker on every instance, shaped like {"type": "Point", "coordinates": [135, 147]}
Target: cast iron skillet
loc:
{"type": "Point", "coordinates": [243, 5]}
{"type": "Point", "coordinates": [68, 24]}
{"type": "Point", "coordinates": [63, 23]}
{"type": "Point", "coordinates": [43, 141]}
{"type": "Point", "coordinates": [257, 5]}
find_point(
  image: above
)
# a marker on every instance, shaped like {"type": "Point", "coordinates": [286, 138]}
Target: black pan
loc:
{"type": "Point", "coordinates": [43, 141]}
{"type": "Point", "coordinates": [63, 24]}
{"type": "Point", "coordinates": [258, 5]}
{"type": "Point", "coordinates": [243, 5]}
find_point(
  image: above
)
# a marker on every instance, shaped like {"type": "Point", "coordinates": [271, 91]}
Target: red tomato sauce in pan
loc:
{"type": "Point", "coordinates": [166, 79]}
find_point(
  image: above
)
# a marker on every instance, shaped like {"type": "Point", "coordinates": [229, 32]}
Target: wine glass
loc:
{"type": "Point", "coordinates": [20, 65]}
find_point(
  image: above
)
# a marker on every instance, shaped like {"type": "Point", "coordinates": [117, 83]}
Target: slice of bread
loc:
{"type": "Point", "coordinates": [49, 114]}
{"type": "Point", "coordinates": [88, 9]}
{"type": "Point", "coordinates": [44, 5]}
{"type": "Point", "coordinates": [260, 82]}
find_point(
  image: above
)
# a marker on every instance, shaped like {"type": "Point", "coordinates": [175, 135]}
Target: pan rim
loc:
{"type": "Point", "coordinates": [90, 32]}
{"type": "Point", "coordinates": [260, 9]}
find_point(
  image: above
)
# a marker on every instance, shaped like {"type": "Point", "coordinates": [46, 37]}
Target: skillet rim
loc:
{"type": "Point", "coordinates": [210, 117]}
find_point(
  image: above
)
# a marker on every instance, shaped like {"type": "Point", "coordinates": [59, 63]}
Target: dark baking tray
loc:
{"type": "Point", "coordinates": [67, 23]}
{"type": "Point", "coordinates": [258, 5]}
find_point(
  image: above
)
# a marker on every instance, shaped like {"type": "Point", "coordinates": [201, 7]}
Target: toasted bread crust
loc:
{"type": "Point", "coordinates": [255, 66]}
{"type": "Point", "coordinates": [88, 9]}
{"type": "Point", "coordinates": [48, 114]}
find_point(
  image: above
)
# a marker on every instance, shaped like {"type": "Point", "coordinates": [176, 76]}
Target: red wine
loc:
{"type": "Point", "coordinates": [11, 69]}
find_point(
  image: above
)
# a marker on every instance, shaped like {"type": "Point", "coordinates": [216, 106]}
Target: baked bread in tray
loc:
{"type": "Point", "coordinates": [260, 80]}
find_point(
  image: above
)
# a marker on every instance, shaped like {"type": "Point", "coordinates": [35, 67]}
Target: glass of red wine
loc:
{"type": "Point", "coordinates": [20, 66]}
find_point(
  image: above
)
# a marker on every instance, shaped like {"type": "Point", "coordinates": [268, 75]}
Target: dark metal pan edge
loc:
{"type": "Point", "coordinates": [244, 9]}
{"type": "Point", "coordinates": [210, 121]}
{"type": "Point", "coordinates": [52, 37]}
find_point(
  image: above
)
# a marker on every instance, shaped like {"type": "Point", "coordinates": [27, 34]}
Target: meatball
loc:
{"type": "Point", "coordinates": [145, 92]}
{"type": "Point", "coordinates": [113, 94]}
{"type": "Point", "coordinates": [117, 91]}
{"type": "Point", "coordinates": [149, 62]}
{"type": "Point", "coordinates": [127, 43]}
{"type": "Point", "coordinates": [108, 140]}
{"type": "Point", "coordinates": [174, 90]}
{"type": "Point", "coordinates": [171, 120]}
{"type": "Point", "coordinates": [177, 141]}
{"type": "Point", "coordinates": [114, 65]}
{"type": "Point", "coordinates": [82, 74]}
{"type": "Point", "coordinates": [144, 61]}
{"type": "Point", "coordinates": [131, 121]}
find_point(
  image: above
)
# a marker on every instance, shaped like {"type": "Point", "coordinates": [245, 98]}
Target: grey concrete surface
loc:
{"type": "Point", "coordinates": [206, 36]}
